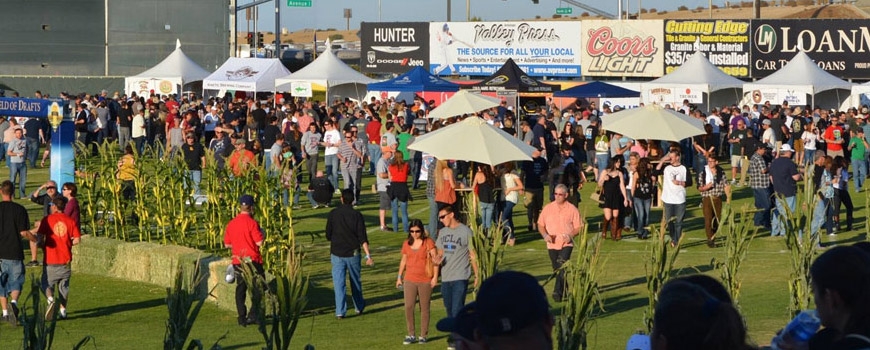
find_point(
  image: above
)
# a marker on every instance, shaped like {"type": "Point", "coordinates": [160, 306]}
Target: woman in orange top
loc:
{"type": "Point", "coordinates": [445, 185]}
{"type": "Point", "coordinates": [398, 190]}
{"type": "Point", "coordinates": [417, 252]}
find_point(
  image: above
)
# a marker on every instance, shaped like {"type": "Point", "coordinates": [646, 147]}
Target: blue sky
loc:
{"type": "Point", "coordinates": [329, 13]}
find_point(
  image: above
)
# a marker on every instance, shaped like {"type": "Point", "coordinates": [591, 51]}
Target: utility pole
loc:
{"type": "Point", "coordinates": [448, 10]}
{"type": "Point", "coordinates": [756, 9]}
{"type": "Point", "coordinates": [277, 28]}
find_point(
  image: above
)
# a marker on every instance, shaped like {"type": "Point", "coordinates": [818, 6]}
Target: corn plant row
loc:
{"type": "Point", "coordinates": [165, 208]}
{"type": "Point", "coordinates": [659, 265]}
{"type": "Point", "coordinates": [802, 243]}
{"type": "Point", "coordinates": [488, 244]}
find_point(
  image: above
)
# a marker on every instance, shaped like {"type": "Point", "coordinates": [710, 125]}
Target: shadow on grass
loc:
{"type": "Point", "coordinates": [621, 303]}
{"type": "Point", "coordinates": [855, 239]}
{"type": "Point", "coordinates": [115, 309]}
{"type": "Point", "coordinates": [249, 345]}
{"type": "Point", "coordinates": [688, 270]}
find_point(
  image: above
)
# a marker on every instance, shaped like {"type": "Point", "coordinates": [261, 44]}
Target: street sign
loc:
{"type": "Point", "coordinates": [564, 10]}
{"type": "Point", "coordinates": [298, 3]}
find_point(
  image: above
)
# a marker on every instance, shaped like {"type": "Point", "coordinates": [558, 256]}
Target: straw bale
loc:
{"type": "Point", "coordinates": [95, 255]}
{"type": "Point", "coordinates": [133, 261]}
{"type": "Point", "coordinates": [165, 261]}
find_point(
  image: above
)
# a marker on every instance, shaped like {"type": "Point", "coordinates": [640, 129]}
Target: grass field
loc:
{"type": "Point", "coordinates": [125, 315]}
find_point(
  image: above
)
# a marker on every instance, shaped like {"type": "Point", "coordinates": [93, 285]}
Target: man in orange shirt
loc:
{"type": "Point", "coordinates": [558, 224]}
{"type": "Point", "coordinates": [241, 160]}
{"type": "Point", "coordinates": [57, 233]}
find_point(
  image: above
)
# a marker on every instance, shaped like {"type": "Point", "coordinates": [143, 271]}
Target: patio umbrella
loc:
{"type": "Point", "coordinates": [473, 140]}
{"type": "Point", "coordinates": [463, 102]}
{"type": "Point", "coordinates": [654, 123]}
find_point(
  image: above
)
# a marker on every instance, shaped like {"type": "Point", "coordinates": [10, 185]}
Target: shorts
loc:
{"type": "Point", "coordinates": [736, 161]}
{"type": "Point", "coordinates": [798, 145]}
{"type": "Point", "coordinates": [384, 201]}
{"type": "Point", "coordinates": [59, 275]}
{"type": "Point", "coordinates": [834, 154]}
{"type": "Point", "coordinates": [11, 276]}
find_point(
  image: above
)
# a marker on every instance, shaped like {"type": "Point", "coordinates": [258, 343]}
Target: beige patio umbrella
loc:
{"type": "Point", "coordinates": [653, 122]}
{"type": "Point", "coordinates": [463, 102]}
{"type": "Point", "coordinates": [473, 140]}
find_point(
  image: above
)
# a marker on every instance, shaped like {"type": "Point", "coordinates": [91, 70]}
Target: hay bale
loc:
{"type": "Point", "coordinates": [165, 261]}
{"type": "Point", "coordinates": [133, 261]}
{"type": "Point", "coordinates": [95, 255]}
{"type": "Point", "coordinates": [222, 293]}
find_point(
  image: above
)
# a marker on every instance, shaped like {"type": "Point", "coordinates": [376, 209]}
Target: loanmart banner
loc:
{"type": "Point", "coordinates": [393, 47]}
{"type": "Point", "coordinates": [549, 49]}
{"type": "Point", "coordinates": [839, 46]}
{"type": "Point", "coordinates": [622, 48]}
{"type": "Point", "coordinates": [724, 42]}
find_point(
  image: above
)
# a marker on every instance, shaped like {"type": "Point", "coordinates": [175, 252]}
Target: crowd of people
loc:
{"type": "Point", "coordinates": [769, 148]}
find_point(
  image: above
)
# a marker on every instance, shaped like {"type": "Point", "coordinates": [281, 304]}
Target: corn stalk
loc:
{"type": "Point", "coordinates": [184, 300]}
{"type": "Point", "coordinates": [583, 295]}
{"type": "Point", "coordinates": [488, 246]}
{"type": "Point", "coordinates": [658, 266]}
{"type": "Point", "coordinates": [802, 248]}
{"type": "Point", "coordinates": [287, 301]}
{"type": "Point", "coordinates": [738, 237]}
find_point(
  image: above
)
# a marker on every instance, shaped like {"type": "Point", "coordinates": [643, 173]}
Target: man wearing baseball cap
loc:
{"type": "Point", "coordinates": [511, 312]}
{"type": "Point", "coordinates": [784, 176]}
{"type": "Point", "coordinates": [244, 237]}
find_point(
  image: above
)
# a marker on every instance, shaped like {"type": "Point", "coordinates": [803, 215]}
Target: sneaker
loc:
{"type": "Point", "coordinates": [386, 229]}
{"type": "Point", "coordinates": [49, 311]}
{"type": "Point", "coordinates": [421, 340]}
{"type": "Point", "coordinates": [62, 313]}
{"type": "Point", "coordinates": [33, 263]}
{"type": "Point", "coordinates": [243, 321]}
{"type": "Point", "coordinates": [409, 340]}
{"type": "Point", "coordinates": [316, 206]}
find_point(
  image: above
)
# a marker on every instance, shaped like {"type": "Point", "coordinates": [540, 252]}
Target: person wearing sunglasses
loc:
{"type": "Point", "coordinates": [457, 259]}
{"type": "Point", "coordinates": [417, 276]}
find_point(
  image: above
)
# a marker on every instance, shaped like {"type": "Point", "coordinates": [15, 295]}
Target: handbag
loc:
{"type": "Point", "coordinates": [596, 196]}
{"type": "Point", "coordinates": [528, 197]}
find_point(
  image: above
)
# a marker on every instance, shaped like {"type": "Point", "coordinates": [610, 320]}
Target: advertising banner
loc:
{"type": "Point", "coordinates": [29, 107]}
{"type": "Point", "coordinates": [550, 49]}
{"type": "Point", "coordinates": [795, 97]}
{"type": "Point", "coordinates": [145, 86]}
{"type": "Point", "coordinates": [675, 95]}
{"type": "Point", "coordinates": [839, 46]}
{"type": "Point", "coordinates": [628, 48]}
{"type": "Point", "coordinates": [301, 89]}
{"type": "Point", "coordinates": [393, 47]}
{"type": "Point", "coordinates": [724, 42]}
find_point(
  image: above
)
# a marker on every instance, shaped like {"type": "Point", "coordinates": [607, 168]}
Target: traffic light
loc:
{"type": "Point", "coordinates": [260, 39]}
{"type": "Point", "coordinates": [250, 38]}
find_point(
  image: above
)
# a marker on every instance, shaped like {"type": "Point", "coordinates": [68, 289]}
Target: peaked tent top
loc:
{"type": "Point", "coordinates": [246, 74]}
{"type": "Point", "coordinates": [177, 64]}
{"type": "Point", "coordinates": [415, 80]}
{"type": "Point", "coordinates": [327, 70]}
{"type": "Point", "coordinates": [511, 77]}
{"type": "Point", "coordinates": [697, 69]}
{"type": "Point", "coordinates": [596, 89]}
{"type": "Point", "coordinates": [801, 71]}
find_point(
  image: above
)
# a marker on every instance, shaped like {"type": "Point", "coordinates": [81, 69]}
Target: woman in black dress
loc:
{"type": "Point", "coordinates": [613, 192]}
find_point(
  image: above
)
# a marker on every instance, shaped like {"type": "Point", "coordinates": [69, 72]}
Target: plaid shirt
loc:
{"type": "Point", "coordinates": [757, 177]}
{"type": "Point", "coordinates": [719, 182]}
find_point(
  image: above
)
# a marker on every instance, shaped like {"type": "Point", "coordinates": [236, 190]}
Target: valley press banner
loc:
{"type": "Point", "coordinates": [725, 43]}
{"type": "Point", "coordinates": [393, 47]}
{"type": "Point", "coordinates": [839, 46]}
{"type": "Point", "coordinates": [628, 48]}
{"type": "Point", "coordinates": [550, 49]}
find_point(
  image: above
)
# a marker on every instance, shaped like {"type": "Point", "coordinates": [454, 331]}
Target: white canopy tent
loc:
{"type": "Point", "coordinates": [167, 77]}
{"type": "Point", "coordinates": [860, 96]}
{"type": "Point", "coordinates": [246, 74]}
{"type": "Point", "coordinates": [696, 77]}
{"type": "Point", "coordinates": [330, 73]}
{"type": "Point", "coordinates": [800, 77]}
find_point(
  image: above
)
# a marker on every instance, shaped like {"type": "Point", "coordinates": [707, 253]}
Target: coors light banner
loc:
{"type": "Point", "coordinates": [393, 47]}
{"type": "Point", "coordinates": [839, 46]}
{"type": "Point", "coordinates": [629, 48]}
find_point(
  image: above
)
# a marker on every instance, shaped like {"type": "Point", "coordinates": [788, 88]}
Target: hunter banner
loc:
{"type": "Point", "coordinates": [622, 48]}
{"type": "Point", "coordinates": [839, 46]}
{"type": "Point", "coordinates": [550, 49]}
{"type": "Point", "coordinates": [393, 47]}
{"type": "Point", "coordinates": [724, 42]}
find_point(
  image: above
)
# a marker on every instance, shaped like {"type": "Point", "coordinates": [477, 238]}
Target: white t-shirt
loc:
{"type": "Point", "coordinates": [809, 139]}
{"type": "Point", "coordinates": [671, 193]}
{"type": "Point", "coordinates": [331, 137]}
{"type": "Point", "coordinates": [715, 122]}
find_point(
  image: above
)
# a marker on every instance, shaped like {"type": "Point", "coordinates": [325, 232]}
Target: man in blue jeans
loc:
{"type": "Point", "coordinates": [16, 150]}
{"type": "Point", "coordinates": [16, 226]}
{"type": "Point", "coordinates": [346, 232]}
{"type": "Point", "coordinates": [457, 261]}
{"type": "Point", "coordinates": [784, 176]}
{"type": "Point", "coordinates": [675, 177]}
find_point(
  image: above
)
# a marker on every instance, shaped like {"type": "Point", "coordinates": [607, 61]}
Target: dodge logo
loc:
{"type": "Point", "coordinates": [371, 57]}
